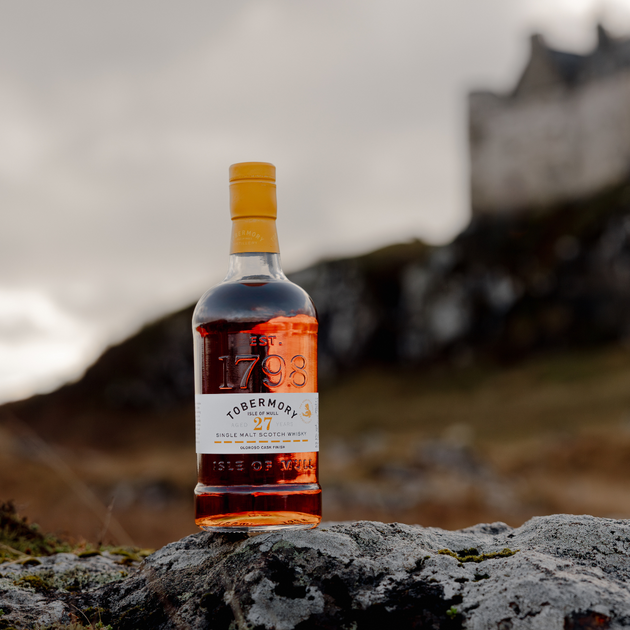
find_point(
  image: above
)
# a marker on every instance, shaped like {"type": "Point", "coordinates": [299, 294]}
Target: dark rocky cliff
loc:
{"type": "Point", "coordinates": [506, 287]}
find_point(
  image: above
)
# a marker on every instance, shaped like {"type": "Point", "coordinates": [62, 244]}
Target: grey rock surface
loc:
{"type": "Point", "coordinates": [47, 590]}
{"type": "Point", "coordinates": [561, 571]}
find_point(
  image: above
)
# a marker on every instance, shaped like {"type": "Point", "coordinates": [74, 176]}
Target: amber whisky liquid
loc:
{"type": "Point", "coordinates": [257, 338]}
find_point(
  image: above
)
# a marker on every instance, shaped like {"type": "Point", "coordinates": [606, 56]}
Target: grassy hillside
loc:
{"type": "Point", "coordinates": [442, 446]}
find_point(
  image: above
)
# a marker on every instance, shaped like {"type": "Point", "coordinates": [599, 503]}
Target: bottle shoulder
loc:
{"type": "Point", "coordinates": [252, 302]}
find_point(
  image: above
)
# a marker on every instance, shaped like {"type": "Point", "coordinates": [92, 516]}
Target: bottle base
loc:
{"type": "Point", "coordinates": [259, 508]}
{"type": "Point", "coordinates": [258, 522]}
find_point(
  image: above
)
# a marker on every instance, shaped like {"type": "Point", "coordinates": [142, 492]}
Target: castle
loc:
{"type": "Point", "coordinates": [562, 134]}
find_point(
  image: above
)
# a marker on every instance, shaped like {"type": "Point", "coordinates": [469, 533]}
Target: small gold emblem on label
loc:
{"type": "Point", "coordinates": [306, 410]}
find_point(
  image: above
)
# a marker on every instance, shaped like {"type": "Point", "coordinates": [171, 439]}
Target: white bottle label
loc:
{"type": "Point", "coordinates": [249, 423]}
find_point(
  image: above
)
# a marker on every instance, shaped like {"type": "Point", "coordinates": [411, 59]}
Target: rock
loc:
{"type": "Point", "coordinates": [562, 571]}
{"type": "Point", "coordinates": [40, 591]}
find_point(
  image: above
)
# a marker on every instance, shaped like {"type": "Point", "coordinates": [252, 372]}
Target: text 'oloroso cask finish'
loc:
{"type": "Point", "coordinates": [255, 343]}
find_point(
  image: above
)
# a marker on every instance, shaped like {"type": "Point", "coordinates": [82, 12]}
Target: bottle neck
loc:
{"type": "Point", "coordinates": [254, 249]}
{"type": "Point", "coordinates": [254, 267]}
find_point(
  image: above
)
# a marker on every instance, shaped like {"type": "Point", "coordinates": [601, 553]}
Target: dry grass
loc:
{"type": "Point", "coordinates": [447, 448]}
{"type": "Point", "coordinates": [454, 447]}
{"type": "Point", "coordinates": [545, 395]}
{"type": "Point", "coordinates": [149, 493]}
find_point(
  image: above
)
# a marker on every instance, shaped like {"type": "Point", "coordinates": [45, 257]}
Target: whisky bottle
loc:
{"type": "Point", "coordinates": [256, 401]}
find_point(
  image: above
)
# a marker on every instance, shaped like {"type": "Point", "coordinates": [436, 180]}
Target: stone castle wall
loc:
{"type": "Point", "coordinates": [550, 147]}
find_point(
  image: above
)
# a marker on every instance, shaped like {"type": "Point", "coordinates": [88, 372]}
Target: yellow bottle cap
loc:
{"type": "Point", "coordinates": [253, 190]}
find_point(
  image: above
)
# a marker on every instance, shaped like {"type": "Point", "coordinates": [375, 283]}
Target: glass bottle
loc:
{"type": "Point", "coordinates": [255, 344]}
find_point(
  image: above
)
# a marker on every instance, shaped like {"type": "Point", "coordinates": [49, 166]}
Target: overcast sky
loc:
{"type": "Point", "coordinates": [119, 120]}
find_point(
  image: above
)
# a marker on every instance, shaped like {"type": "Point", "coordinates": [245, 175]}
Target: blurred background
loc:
{"type": "Point", "coordinates": [454, 192]}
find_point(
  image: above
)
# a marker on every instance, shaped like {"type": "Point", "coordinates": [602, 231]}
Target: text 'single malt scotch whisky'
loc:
{"type": "Point", "coordinates": [255, 341]}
